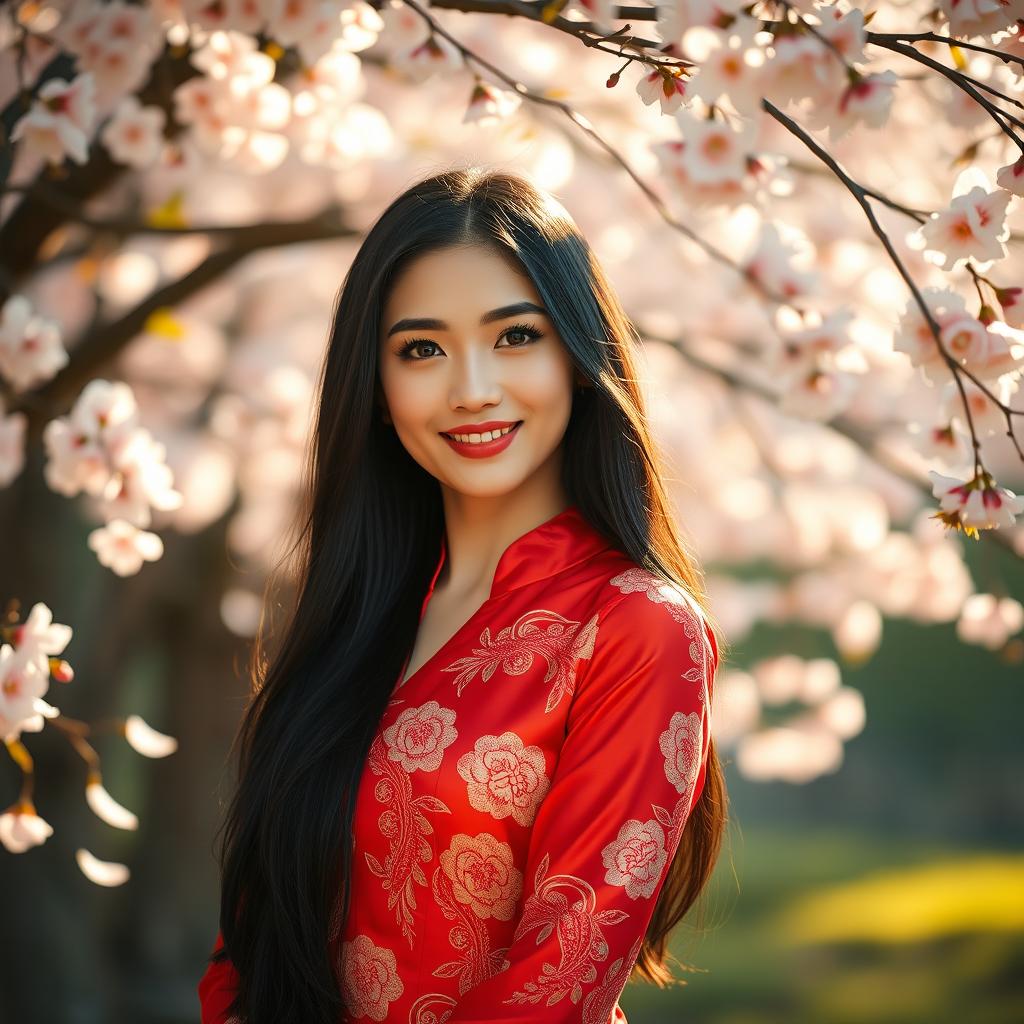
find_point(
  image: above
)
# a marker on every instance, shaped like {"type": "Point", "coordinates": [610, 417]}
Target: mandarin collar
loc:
{"type": "Point", "coordinates": [551, 546]}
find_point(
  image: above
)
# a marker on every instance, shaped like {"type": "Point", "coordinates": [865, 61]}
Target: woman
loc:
{"type": "Point", "coordinates": [477, 780]}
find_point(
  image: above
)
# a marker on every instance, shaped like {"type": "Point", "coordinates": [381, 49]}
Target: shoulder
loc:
{"type": "Point", "coordinates": [647, 621]}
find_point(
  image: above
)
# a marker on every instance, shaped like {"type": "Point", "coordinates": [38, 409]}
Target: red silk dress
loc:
{"type": "Point", "coordinates": [524, 795]}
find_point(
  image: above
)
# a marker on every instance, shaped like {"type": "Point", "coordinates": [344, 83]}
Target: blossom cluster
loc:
{"type": "Point", "coordinates": [29, 659]}
{"type": "Point", "coordinates": [101, 449]}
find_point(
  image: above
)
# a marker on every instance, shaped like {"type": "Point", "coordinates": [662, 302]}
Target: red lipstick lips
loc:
{"type": "Point", "coordinates": [483, 449]}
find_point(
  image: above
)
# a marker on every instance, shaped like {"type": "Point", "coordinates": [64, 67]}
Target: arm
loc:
{"type": "Point", "coordinates": [217, 989]}
{"type": "Point", "coordinates": [631, 769]}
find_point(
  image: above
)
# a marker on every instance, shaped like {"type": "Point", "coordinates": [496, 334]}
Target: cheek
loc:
{"type": "Point", "coordinates": [411, 397]}
{"type": "Point", "coordinates": [544, 384]}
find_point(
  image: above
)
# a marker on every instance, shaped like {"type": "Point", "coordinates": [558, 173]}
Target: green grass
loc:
{"type": "Point", "coordinates": [846, 928]}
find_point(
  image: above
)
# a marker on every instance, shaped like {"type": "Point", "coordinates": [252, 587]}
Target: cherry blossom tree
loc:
{"type": "Point", "coordinates": [808, 209]}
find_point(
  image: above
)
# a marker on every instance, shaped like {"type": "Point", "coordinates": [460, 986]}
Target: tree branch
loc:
{"type": "Point", "coordinates": [98, 348]}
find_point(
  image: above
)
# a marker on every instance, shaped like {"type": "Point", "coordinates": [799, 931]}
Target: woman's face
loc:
{"type": "Point", "coordinates": [470, 362]}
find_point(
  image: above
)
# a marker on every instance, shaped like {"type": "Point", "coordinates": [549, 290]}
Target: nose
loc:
{"type": "Point", "coordinates": [475, 382]}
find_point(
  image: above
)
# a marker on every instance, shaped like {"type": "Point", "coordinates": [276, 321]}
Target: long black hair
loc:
{"type": "Point", "coordinates": [366, 540]}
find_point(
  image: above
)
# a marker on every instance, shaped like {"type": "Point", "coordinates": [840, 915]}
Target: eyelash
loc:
{"type": "Point", "coordinates": [531, 332]}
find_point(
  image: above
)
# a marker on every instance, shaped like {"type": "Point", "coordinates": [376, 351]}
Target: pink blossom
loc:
{"type": "Point", "coordinates": [60, 120]}
{"type": "Point", "coordinates": [666, 85]}
{"type": "Point", "coordinates": [1011, 302]}
{"type": "Point", "coordinates": [867, 101]}
{"type": "Point", "coordinates": [123, 548]}
{"type": "Point", "coordinates": [435, 55]}
{"type": "Point", "coordinates": [974, 225]}
{"type": "Point", "coordinates": [21, 683]}
{"type": "Point", "coordinates": [21, 828]}
{"type": "Point", "coordinates": [972, 18]}
{"type": "Point", "coordinates": [980, 503]}
{"type": "Point", "coordinates": [247, 16]}
{"type": "Point", "coordinates": [732, 66]}
{"type": "Point", "coordinates": [31, 350]}
{"type": "Point", "coordinates": [1011, 177]}
{"type": "Point", "coordinates": [489, 105]}
{"type": "Point", "coordinates": [39, 638]}
{"type": "Point", "coordinates": [134, 135]}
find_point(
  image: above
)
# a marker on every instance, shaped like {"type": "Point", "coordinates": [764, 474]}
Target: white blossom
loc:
{"type": "Point", "coordinates": [31, 350]}
{"type": "Point", "coordinates": [146, 740]}
{"type": "Point", "coordinates": [123, 547]}
{"type": "Point", "coordinates": [134, 135]}
{"type": "Point", "coordinates": [60, 120]}
{"type": "Point", "coordinates": [39, 638]}
{"type": "Point", "coordinates": [980, 503]}
{"type": "Point", "coordinates": [21, 683]}
{"type": "Point", "coordinates": [974, 225]}
{"type": "Point", "coordinates": [488, 104]}
{"type": "Point", "coordinates": [102, 872]}
{"type": "Point", "coordinates": [106, 808]}
{"type": "Point", "coordinates": [21, 829]}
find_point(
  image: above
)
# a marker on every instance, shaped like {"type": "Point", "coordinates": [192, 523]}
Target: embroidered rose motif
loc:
{"type": "Point", "coordinates": [419, 736]}
{"type": "Point", "coordinates": [483, 875]}
{"type": "Point", "coordinates": [636, 857]}
{"type": "Point", "coordinates": [370, 979]}
{"type": "Point", "coordinates": [681, 745]}
{"type": "Point", "coordinates": [505, 778]}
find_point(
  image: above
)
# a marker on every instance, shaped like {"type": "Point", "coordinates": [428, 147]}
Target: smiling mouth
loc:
{"type": "Point", "coordinates": [484, 438]}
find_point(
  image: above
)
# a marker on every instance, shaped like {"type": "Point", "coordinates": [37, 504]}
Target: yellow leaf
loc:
{"type": "Point", "coordinates": [552, 10]}
{"type": "Point", "coordinates": [163, 323]}
{"type": "Point", "coordinates": [169, 214]}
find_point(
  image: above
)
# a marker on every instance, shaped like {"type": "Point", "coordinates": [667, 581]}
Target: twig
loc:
{"type": "Point", "coordinates": [859, 194]}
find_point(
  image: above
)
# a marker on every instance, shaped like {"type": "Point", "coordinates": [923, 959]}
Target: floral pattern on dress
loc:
{"type": "Point", "coordinates": [577, 925]}
{"type": "Point", "coordinates": [675, 601]}
{"type": "Point", "coordinates": [537, 633]}
{"type": "Point", "coordinates": [424, 1010]}
{"type": "Point", "coordinates": [636, 858]}
{"type": "Point", "coordinates": [476, 961]}
{"type": "Point", "coordinates": [504, 777]}
{"type": "Point", "coordinates": [682, 745]}
{"type": "Point", "coordinates": [419, 737]}
{"type": "Point", "coordinates": [537, 871]}
{"type": "Point", "coordinates": [370, 980]}
{"type": "Point", "coordinates": [405, 826]}
{"type": "Point", "coordinates": [601, 1000]}
{"type": "Point", "coordinates": [483, 875]}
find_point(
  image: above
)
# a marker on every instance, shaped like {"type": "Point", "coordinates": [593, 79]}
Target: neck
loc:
{"type": "Point", "coordinates": [478, 531]}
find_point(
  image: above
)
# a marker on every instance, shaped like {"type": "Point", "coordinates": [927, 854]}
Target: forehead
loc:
{"type": "Point", "coordinates": [457, 283]}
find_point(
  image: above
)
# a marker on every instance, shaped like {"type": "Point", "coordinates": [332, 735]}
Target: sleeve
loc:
{"type": "Point", "coordinates": [631, 769]}
{"type": "Point", "coordinates": [217, 989]}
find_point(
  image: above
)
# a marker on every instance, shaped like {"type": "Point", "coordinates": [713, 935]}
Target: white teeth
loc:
{"type": "Point", "coordinates": [488, 435]}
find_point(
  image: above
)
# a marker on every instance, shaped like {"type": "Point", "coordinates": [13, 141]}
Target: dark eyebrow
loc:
{"type": "Point", "coordinates": [432, 324]}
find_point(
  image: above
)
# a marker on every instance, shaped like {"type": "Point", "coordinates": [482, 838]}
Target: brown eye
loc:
{"type": "Point", "coordinates": [531, 334]}
{"type": "Point", "coordinates": [414, 343]}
